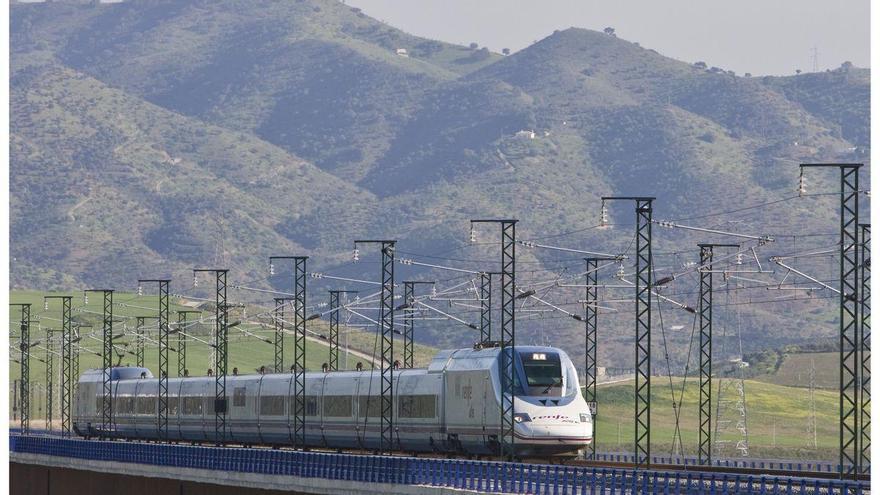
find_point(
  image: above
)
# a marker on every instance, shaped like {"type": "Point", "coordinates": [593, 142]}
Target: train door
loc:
{"type": "Point", "coordinates": [319, 413]}
{"type": "Point", "coordinates": [290, 407]}
{"type": "Point", "coordinates": [137, 408]}
{"type": "Point", "coordinates": [486, 386]}
{"type": "Point", "coordinates": [258, 410]}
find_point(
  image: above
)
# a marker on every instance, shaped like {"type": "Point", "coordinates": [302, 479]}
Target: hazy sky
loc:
{"type": "Point", "coordinates": [757, 36]}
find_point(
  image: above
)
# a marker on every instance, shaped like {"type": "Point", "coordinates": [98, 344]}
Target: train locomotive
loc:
{"type": "Point", "coordinates": [452, 406]}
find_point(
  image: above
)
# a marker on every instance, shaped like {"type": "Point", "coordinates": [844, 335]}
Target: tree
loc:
{"type": "Point", "coordinates": [748, 74]}
{"type": "Point", "coordinates": [473, 46]}
{"type": "Point", "coordinates": [609, 31]}
{"type": "Point", "coordinates": [700, 65]}
{"type": "Point", "coordinates": [846, 66]}
{"type": "Point", "coordinates": [797, 71]}
{"type": "Point", "coordinates": [505, 51]}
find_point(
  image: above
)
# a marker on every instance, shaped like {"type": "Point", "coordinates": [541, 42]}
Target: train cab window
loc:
{"type": "Point", "coordinates": [239, 399]}
{"type": "Point", "coordinates": [272, 405]}
{"type": "Point", "coordinates": [543, 371]}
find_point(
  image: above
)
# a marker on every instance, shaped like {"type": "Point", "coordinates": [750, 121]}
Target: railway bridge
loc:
{"type": "Point", "coordinates": [55, 465]}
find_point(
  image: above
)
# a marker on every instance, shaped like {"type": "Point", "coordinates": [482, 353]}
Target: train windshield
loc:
{"type": "Point", "coordinates": [543, 372]}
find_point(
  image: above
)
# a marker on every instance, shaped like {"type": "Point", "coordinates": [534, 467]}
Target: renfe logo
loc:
{"type": "Point", "coordinates": [560, 417]}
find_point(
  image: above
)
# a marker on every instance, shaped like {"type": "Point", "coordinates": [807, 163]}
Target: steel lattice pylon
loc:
{"type": "Point", "coordinates": [386, 329]}
{"type": "Point", "coordinates": [162, 413]}
{"type": "Point", "coordinates": [66, 338]}
{"type": "Point", "coordinates": [299, 351]}
{"type": "Point", "coordinates": [704, 446]}
{"type": "Point", "coordinates": [221, 335]}
{"type": "Point", "coordinates": [849, 311]}
{"type": "Point", "coordinates": [590, 317]}
{"type": "Point", "coordinates": [508, 335]}
{"type": "Point", "coordinates": [590, 339]}
{"type": "Point", "coordinates": [409, 322]}
{"type": "Point", "coordinates": [50, 383]}
{"type": "Point", "coordinates": [865, 351]}
{"type": "Point", "coordinates": [182, 329]}
{"type": "Point", "coordinates": [643, 288]}
{"type": "Point", "coordinates": [24, 349]}
{"type": "Point", "coordinates": [107, 354]}
{"type": "Point", "coordinates": [298, 403]}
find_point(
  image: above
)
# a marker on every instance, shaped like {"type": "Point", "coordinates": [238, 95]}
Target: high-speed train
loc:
{"type": "Point", "coordinates": [452, 406]}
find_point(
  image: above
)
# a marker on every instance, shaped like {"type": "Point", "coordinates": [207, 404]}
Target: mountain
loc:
{"type": "Point", "coordinates": [158, 135]}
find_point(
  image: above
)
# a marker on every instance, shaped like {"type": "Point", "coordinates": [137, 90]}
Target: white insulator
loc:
{"type": "Point", "coordinates": [46, 305]}
{"type": "Point", "coordinates": [140, 290]}
{"type": "Point", "coordinates": [802, 189]}
{"type": "Point", "coordinates": [271, 268]}
{"type": "Point", "coordinates": [356, 256]}
{"type": "Point", "coordinates": [739, 258]}
{"type": "Point", "coordinates": [620, 271]}
{"type": "Point", "coordinates": [85, 298]}
{"type": "Point", "coordinates": [473, 237]}
{"type": "Point", "coordinates": [603, 215]}
{"type": "Point", "coordinates": [195, 281]}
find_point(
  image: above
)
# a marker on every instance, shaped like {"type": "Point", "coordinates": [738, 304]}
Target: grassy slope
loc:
{"type": "Point", "coordinates": [795, 370]}
{"type": "Point", "coordinates": [782, 409]}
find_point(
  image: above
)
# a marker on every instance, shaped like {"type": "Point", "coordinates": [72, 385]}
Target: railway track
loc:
{"type": "Point", "coordinates": [714, 469]}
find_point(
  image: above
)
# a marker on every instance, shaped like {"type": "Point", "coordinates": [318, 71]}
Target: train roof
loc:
{"type": "Point", "coordinates": [117, 373]}
{"type": "Point", "coordinates": [469, 359]}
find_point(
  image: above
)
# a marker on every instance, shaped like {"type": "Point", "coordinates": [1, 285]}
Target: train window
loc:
{"type": "Point", "coordinates": [172, 406]}
{"type": "Point", "coordinates": [272, 405]}
{"type": "Point", "coordinates": [417, 406]}
{"type": "Point", "coordinates": [543, 373]}
{"type": "Point", "coordinates": [238, 397]}
{"type": "Point", "coordinates": [192, 405]}
{"type": "Point", "coordinates": [337, 406]}
{"type": "Point", "coordinates": [369, 406]}
{"type": "Point", "coordinates": [311, 405]}
{"type": "Point", "coordinates": [99, 404]}
{"type": "Point", "coordinates": [146, 405]}
{"type": "Point", "coordinates": [209, 404]}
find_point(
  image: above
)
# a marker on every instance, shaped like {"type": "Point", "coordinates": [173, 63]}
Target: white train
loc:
{"type": "Point", "coordinates": [453, 406]}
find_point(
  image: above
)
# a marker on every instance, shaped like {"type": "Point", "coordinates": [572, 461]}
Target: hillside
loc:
{"type": "Point", "coordinates": [159, 135]}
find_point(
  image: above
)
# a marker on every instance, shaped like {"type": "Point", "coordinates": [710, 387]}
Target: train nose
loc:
{"type": "Point", "coordinates": [537, 430]}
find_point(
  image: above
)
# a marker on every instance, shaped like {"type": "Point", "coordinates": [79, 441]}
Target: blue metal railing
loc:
{"type": "Point", "coordinates": [481, 476]}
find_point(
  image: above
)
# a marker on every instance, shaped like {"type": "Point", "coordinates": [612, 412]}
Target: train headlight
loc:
{"type": "Point", "coordinates": [585, 418]}
{"type": "Point", "coordinates": [522, 417]}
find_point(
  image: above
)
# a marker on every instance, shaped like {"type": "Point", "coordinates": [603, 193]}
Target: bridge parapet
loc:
{"type": "Point", "coordinates": [315, 472]}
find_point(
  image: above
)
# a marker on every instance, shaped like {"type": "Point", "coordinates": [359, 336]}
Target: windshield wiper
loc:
{"type": "Point", "coordinates": [555, 380]}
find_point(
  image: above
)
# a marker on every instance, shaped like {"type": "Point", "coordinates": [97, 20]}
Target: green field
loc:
{"type": "Point", "coordinates": [778, 420]}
